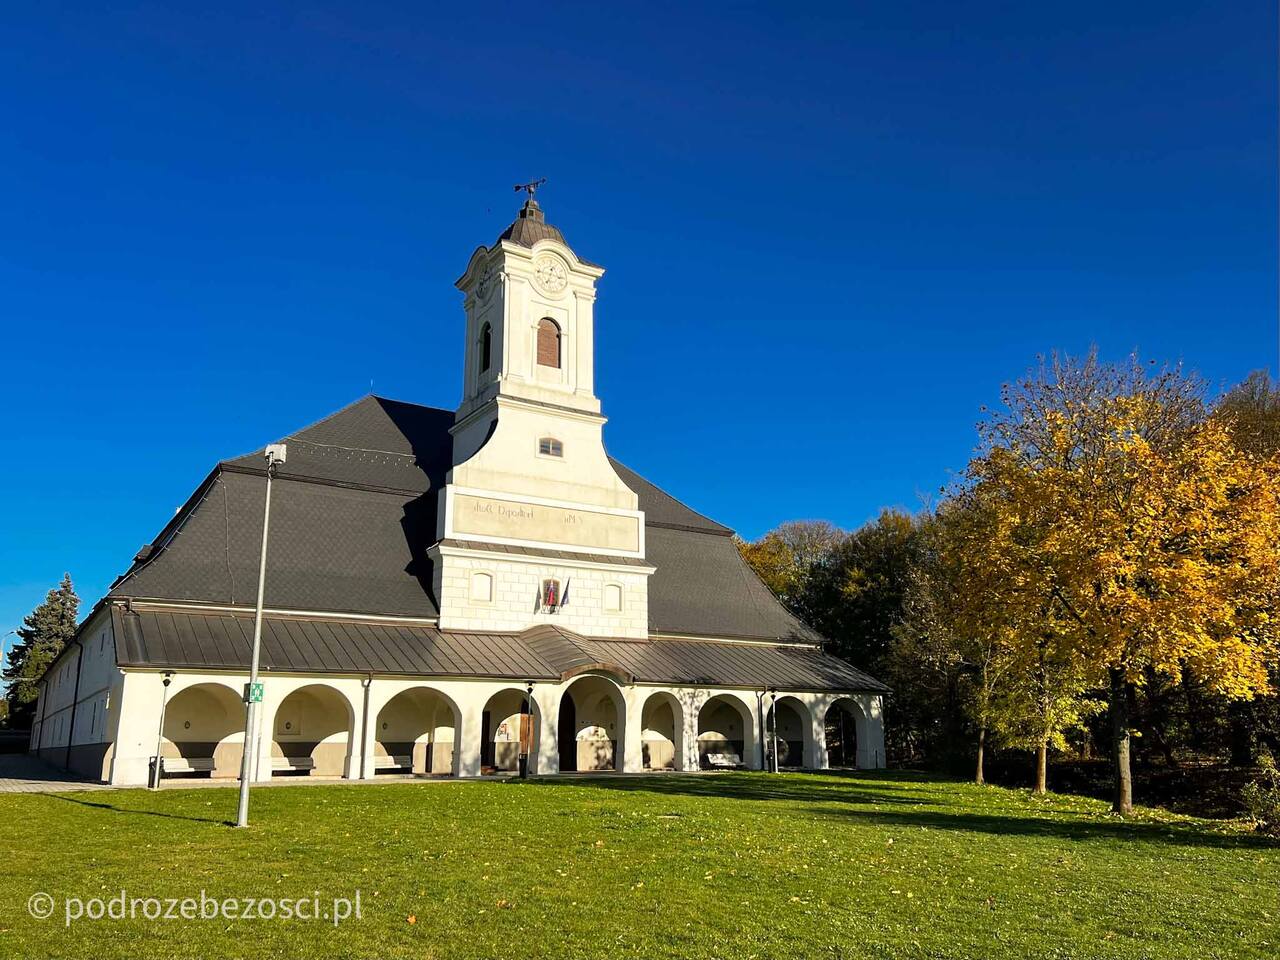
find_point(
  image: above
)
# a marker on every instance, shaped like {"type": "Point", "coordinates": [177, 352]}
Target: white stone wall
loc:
{"type": "Point", "coordinates": [507, 460]}
{"type": "Point", "coordinates": [89, 709]}
{"type": "Point", "coordinates": [355, 698]}
{"type": "Point", "coordinates": [516, 586]}
{"type": "Point", "coordinates": [501, 286]}
{"type": "Point", "coordinates": [574, 502]}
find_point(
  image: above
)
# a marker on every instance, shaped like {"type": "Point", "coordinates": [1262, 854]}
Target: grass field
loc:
{"type": "Point", "coordinates": [738, 865]}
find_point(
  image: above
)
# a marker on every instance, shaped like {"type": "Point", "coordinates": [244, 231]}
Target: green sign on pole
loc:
{"type": "Point", "coordinates": [255, 693]}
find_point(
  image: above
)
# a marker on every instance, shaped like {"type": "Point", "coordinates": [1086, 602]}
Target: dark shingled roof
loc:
{"type": "Point", "coordinates": [353, 514]}
{"type": "Point", "coordinates": [185, 639]}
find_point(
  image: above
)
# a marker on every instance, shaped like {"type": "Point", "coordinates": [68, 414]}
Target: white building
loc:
{"type": "Point", "coordinates": [449, 589]}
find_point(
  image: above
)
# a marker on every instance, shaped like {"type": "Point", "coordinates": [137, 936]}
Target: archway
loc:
{"type": "Point", "coordinates": [596, 717]}
{"type": "Point", "coordinates": [504, 731]}
{"type": "Point", "coordinates": [724, 733]}
{"type": "Point", "coordinates": [790, 730]}
{"type": "Point", "coordinates": [311, 733]}
{"type": "Point", "coordinates": [844, 725]}
{"type": "Point", "coordinates": [415, 733]}
{"type": "Point", "coordinates": [567, 735]}
{"type": "Point", "coordinates": [662, 733]}
{"type": "Point", "coordinates": [203, 732]}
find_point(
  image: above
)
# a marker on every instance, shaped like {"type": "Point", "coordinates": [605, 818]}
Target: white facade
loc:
{"type": "Point", "coordinates": [354, 736]}
{"type": "Point", "coordinates": [529, 463]}
{"type": "Point", "coordinates": [534, 528]}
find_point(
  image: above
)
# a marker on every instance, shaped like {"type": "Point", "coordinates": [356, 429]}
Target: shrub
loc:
{"type": "Point", "coordinates": [1262, 796]}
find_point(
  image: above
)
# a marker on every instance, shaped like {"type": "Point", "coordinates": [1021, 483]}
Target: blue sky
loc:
{"type": "Point", "coordinates": [831, 233]}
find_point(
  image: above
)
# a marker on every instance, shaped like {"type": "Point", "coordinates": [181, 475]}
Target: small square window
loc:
{"type": "Point", "coordinates": [550, 447]}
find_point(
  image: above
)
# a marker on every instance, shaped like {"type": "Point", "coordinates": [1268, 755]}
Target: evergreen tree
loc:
{"type": "Point", "coordinates": [43, 634]}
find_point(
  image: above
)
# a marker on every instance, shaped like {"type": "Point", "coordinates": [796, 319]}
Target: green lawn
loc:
{"type": "Point", "coordinates": [737, 866]}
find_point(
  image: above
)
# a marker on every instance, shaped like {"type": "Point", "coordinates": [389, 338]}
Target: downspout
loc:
{"type": "Point", "coordinates": [44, 711]}
{"type": "Point", "coordinates": [75, 696]}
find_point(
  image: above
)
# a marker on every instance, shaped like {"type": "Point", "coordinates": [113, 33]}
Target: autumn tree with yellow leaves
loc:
{"type": "Point", "coordinates": [955, 618]}
{"type": "Point", "coordinates": [1137, 532]}
{"type": "Point", "coordinates": [975, 610]}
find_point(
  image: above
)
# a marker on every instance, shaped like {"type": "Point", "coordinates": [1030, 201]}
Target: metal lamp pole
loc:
{"type": "Point", "coordinates": [158, 769]}
{"type": "Point", "coordinates": [526, 729]}
{"type": "Point", "coordinates": [253, 690]}
{"type": "Point", "coordinates": [773, 726]}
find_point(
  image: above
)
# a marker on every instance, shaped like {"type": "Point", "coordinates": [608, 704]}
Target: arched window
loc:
{"type": "Point", "coordinates": [613, 597]}
{"type": "Point", "coordinates": [486, 347]}
{"type": "Point", "coordinates": [548, 343]}
{"type": "Point", "coordinates": [550, 447]}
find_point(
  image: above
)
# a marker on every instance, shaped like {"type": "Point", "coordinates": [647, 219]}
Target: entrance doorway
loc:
{"type": "Point", "coordinates": [567, 738]}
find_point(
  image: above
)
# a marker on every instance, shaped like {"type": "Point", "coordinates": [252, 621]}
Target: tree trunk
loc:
{"type": "Point", "coordinates": [978, 776]}
{"type": "Point", "coordinates": [1042, 768]}
{"type": "Point", "coordinates": [1122, 801]}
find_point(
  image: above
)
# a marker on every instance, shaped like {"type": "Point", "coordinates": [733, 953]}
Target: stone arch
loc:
{"type": "Point", "coordinates": [503, 732]}
{"type": "Point", "coordinates": [845, 722]}
{"type": "Point", "coordinates": [204, 731]}
{"type": "Point", "coordinates": [725, 731]}
{"type": "Point", "coordinates": [795, 741]}
{"type": "Point", "coordinates": [591, 726]}
{"type": "Point", "coordinates": [486, 347]}
{"type": "Point", "coordinates": [662, 732]}
{"type": "Point", "coordinates": [417, 731]}
{"type": "Point", "coordinates": [311, 732]}
{"type": "Point", "coordinates": [548, 343]}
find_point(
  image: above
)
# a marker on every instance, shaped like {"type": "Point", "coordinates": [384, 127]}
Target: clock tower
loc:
{"type": "Point", "coordinates": [534, 524]}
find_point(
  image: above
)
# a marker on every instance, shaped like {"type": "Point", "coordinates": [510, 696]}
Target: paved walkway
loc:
{"type": "Point", "coordinates": [21, 773]}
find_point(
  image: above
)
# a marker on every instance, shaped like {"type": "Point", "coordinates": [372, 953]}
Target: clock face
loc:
{"type": "Point", "coordinates": [485, 286]}
{"type": "Point", "coordinates": [550, 275]}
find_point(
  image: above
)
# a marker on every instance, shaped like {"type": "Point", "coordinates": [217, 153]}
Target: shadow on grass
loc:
{"type": "Point", "coordinates": [867, 787]}
{"type": "Point", "coordinates": [140, 813]}
{"type": "Point", "coordinates": [893, 802]}
{"type": "Point", "coordinates": [1066, 826]}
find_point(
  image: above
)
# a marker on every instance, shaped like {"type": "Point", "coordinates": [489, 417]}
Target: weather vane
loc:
{"type": "Point", "coordinates": [531, 187]}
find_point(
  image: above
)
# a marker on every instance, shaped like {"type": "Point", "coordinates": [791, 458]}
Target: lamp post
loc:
{"type": "Point", "coordinates": [526, 729]}
{"type": "Point", "coordinates": [158, 769]}
{"type": "Point", "coordinates": [773, 727]}
{"type": "Point", "coordinates": [275, 455]}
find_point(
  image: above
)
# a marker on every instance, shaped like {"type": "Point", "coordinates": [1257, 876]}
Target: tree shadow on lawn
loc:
{"type": "Point", "coordinates": [141, 813]}
{"type": "Point", "coordinates": [1070, 826]}
{"type": "Point", "coordinates": [867, 787]}
{"type": "Point", "coordinates": [838, 795]}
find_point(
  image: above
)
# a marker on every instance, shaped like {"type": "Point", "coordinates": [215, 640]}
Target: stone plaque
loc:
{"type": "Point", "coordinates": [515, 520]}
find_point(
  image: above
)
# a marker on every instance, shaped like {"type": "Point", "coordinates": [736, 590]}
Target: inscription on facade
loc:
{"type": "Point", "coordinates": [530, 521]}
